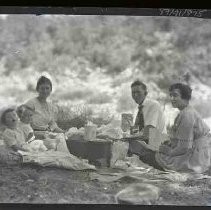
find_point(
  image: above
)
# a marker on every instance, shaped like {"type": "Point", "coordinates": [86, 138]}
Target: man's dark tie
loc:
{"type": "Point", "coordinates": [140, 118]}
{"type": "Point", "coordinates": [138, 122]}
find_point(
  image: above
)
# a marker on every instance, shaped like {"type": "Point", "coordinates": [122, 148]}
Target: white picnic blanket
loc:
{"type": "Point", "coordinates": [56, 159]}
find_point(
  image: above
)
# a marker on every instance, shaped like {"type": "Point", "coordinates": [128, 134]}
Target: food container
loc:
{"type": "Point", "coordinates": [102, 150]}
{"type": "Point", "coordinates": [97, 152]}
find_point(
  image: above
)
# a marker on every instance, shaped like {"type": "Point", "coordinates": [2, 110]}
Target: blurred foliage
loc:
{"type": "Point", "coordinates": [73, 116]}
{"type": "Point", "coordinates": [157, 44]}
{"type": "Point", "coordinates": [79, 50]}
{"type": "Point", "coordinates": [79, 115]}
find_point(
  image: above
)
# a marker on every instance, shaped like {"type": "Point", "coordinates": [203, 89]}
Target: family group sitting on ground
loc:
{"type": "Point", "coordinates": [31, 128]}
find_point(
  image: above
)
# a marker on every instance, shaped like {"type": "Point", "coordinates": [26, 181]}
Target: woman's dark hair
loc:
{"type": "Point", "coordinates": [139, 83]}
{"type": "Point", "coordinates": [184, 89]}
{"type": "Point", "coordinates": [3, 116]}
{"type": "Point", "coordinates": [43, 80]}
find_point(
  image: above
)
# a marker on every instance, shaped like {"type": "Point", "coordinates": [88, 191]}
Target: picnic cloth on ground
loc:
{"type": "Point", "coordinates": [112, 175]}
{"type": "Point", "coordinates": [147, 175]}
{"type": "Point", "coordinates": [56, 159]}
{"type": "Point", "coordinates": [189, 127]}
{"type": "Point", "coordinates": [128, 177]}
{"type": "Point", "coordinates": [130, 169]}
{"type": "Point", "coordinates": [172, 176]}
{"type": "Point", "coordinates": [130, 164]}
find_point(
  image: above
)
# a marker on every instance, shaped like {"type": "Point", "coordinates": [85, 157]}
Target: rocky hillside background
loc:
{"type": "Point", "coordinates": [92, 61]}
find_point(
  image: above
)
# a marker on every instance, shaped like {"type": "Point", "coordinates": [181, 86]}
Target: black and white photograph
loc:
{"type": "Point", "coordinates": [105, 109]}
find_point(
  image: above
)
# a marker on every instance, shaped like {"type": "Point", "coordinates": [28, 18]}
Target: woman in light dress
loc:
{"type": "Point", "coordinates": [188, 148]}
{"type": "Point", "coordinates": [44, 116]}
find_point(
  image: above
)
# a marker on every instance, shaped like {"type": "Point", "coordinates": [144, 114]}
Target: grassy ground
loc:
{"type": "Point", "coordinates": [49, 185]}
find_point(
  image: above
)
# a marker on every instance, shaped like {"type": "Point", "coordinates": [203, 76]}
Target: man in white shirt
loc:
{"type": "Point", "coordinates": [150, 115]}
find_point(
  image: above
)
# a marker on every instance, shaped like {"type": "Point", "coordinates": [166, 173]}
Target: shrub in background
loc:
{"type": "Point", "coordinates": [79, 115]}
{"type": "Point", "coordinates": [72, 116]}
